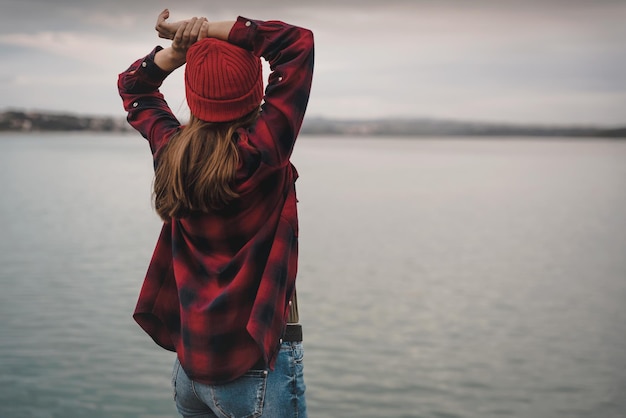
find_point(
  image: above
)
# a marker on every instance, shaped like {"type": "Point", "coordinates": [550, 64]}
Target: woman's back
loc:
{"type": "Point", "coordinates": [219, 284]}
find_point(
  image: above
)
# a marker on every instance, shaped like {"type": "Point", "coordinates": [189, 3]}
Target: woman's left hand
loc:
{"type": "Point", "coordinates": [167, 30]}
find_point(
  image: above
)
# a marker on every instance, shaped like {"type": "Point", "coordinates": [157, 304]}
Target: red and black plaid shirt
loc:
{"type": "Point", "coordinates": [218, 286]}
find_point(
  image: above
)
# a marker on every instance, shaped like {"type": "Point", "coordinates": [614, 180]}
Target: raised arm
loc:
{"type": "Point", "coordinates": [290, 52]}
{"type": "Point", "coordinates": [167, 30]}
{"type": "Point", "coordinates": [288, 49]}
{"type": "Point", "coordinates": [138, 86]}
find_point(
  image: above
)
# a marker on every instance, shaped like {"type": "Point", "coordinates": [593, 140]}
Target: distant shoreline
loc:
{"type": "Point", "coordinates": [41, 121]}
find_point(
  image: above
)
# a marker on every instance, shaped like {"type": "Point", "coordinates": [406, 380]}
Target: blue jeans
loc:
{"type": "Point", "coordinates": [258, 393]}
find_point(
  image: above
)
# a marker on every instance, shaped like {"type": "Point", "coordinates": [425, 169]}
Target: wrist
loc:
{"type": "Point", "coordinates": [177, 56]}
{"type": "Point", "coordinates": [220, 30]}
{"type": "Point", "coordinates": [169, 59]}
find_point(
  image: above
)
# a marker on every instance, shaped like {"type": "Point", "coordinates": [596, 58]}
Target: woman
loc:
{"type": "Point", "coordinates": [220, 289]}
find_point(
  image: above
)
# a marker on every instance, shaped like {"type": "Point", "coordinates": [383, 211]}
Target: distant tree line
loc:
{"type": "Point", "coordinates": [434, 127]}
{"type": "Point", "coordinates": [16, 120]}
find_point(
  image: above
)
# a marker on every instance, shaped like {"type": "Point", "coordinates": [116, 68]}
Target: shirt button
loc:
{"type": "Point", "coordinates": [281, 340]}
{"type": "Point", "coordinates": [143, 64]}
{"type": "Point", "coordinates": [135, 104]}
{"type": "Point", "coordinates": [290, 303]}
{"type": "Point", "coordinates": [280, 79]}
{"type": "Point", "coordinates": [248, 23]}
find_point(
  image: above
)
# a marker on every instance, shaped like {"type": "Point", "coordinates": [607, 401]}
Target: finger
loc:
{"type": "Point", "coordinates": [204, 30]}
{"type": "Point", "coordinates": [178, 37]}
{"type": "Point", "coordinates": [186, 40]}
{"type": "Point", "coordinates": [160, 25]}
{"type": "Point", "coordinates": [163, 16]}
{"type": "Point", "coordinates": [195, 30]}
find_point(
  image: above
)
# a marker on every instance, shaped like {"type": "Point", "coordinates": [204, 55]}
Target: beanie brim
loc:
{"type": "Point", "coordinates": [211, 110]}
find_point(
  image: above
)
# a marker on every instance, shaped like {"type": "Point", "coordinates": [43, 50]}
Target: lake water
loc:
{"type": "Point", "coordinates": [444, 278]}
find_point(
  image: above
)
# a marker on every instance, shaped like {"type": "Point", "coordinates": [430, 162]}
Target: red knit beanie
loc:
{"type": "Point", "coordinates": [222, 81]}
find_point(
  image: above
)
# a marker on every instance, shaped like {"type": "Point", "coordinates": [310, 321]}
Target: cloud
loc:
{"type": "Point", "coordinates": [109, 21]}
{"type": "Point", "coordinates": [56, 80]}
{"type": "Point", "coordinates": [506, 59]}
{"type": "Point", "coordinates": [78, 46]}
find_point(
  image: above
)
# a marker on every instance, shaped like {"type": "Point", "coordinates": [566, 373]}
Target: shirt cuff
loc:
{"type": "Point", "coordinates": [243, 32]}
{"type": "Point", "coordinates": [150, 70]}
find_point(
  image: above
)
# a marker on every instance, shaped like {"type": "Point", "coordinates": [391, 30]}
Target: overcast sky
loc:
{"type": "Point", "coordinates": [549, 62]}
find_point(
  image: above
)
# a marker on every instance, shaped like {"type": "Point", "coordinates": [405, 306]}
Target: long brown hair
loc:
{"type": "Point", "coordinates": [196, 169]}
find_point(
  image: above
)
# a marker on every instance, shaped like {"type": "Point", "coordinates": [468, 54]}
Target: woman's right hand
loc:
{"type": "Point", "coordinates": [187, 34]}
